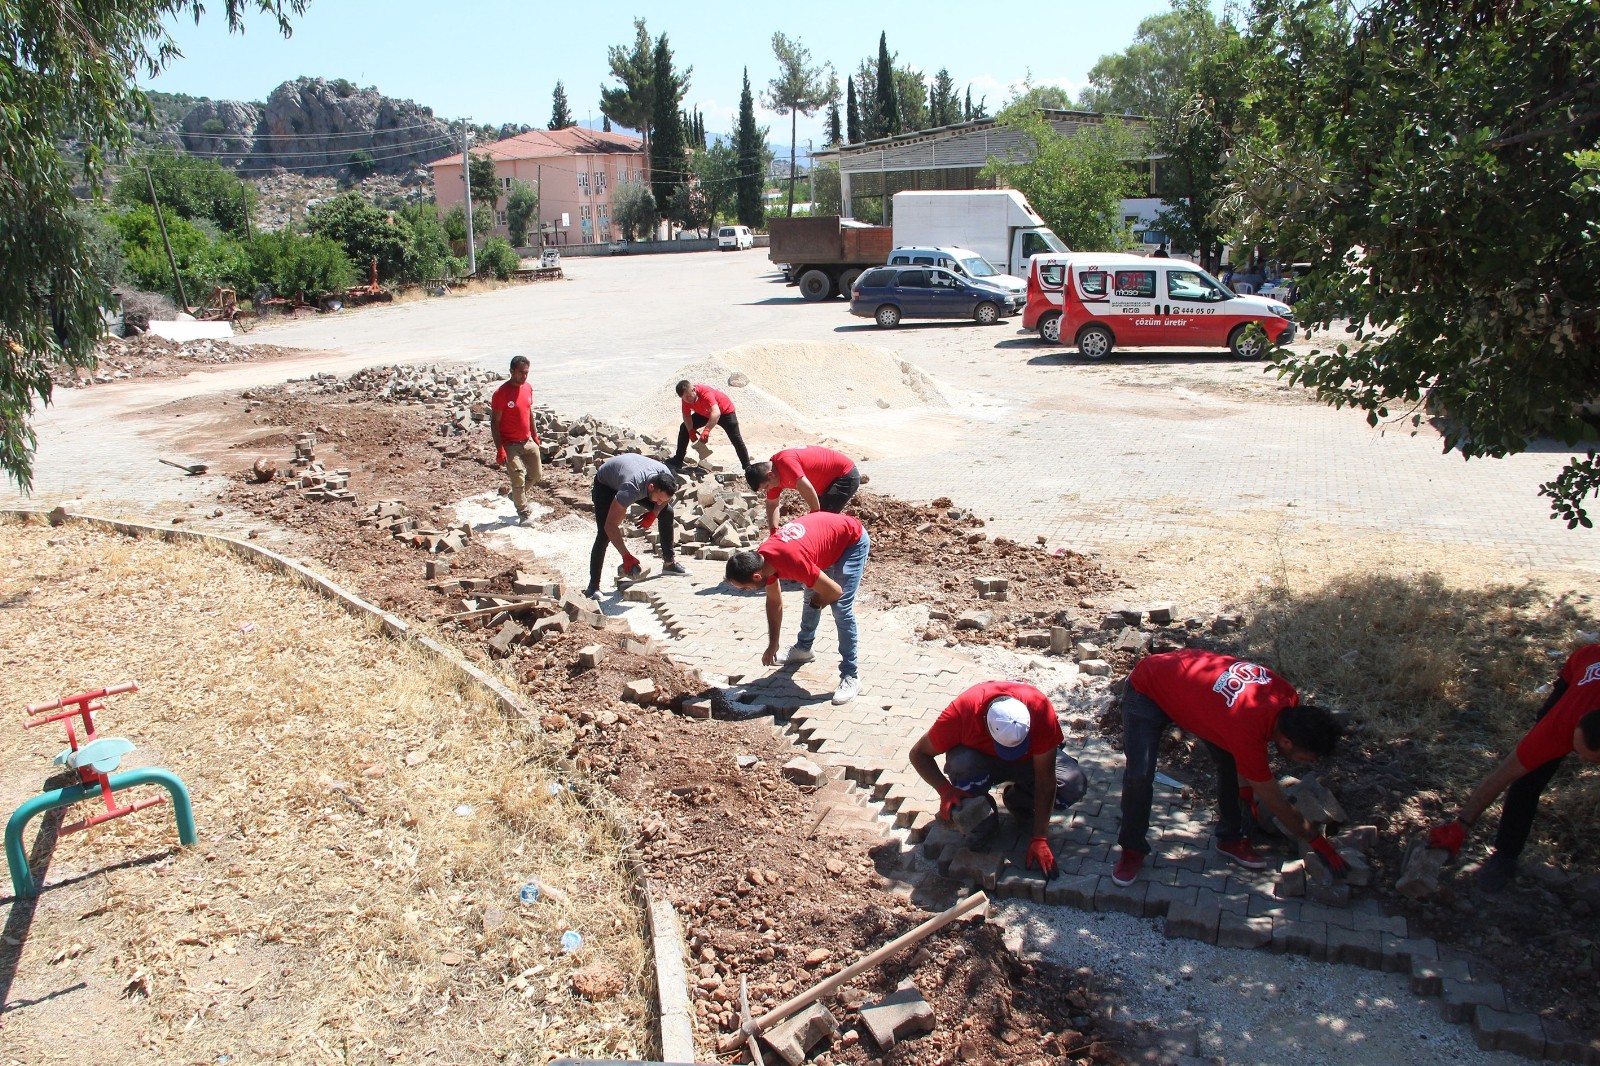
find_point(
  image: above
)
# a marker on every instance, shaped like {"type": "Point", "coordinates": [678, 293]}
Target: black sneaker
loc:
{"type": "Point", "coordinates": [1018, 802]}
{"type": "Point", "coordinates": [593, 594]}
{"type": "Point", "coordinates": [1497, 873]}
{"type": "Point", "coordinates": [674, 567]}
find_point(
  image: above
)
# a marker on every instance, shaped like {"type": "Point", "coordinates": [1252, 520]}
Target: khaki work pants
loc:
{"type": "Point", "coordinates": [525, 467]}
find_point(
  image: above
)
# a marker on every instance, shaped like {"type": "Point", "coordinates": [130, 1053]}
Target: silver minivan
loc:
{"type": "Point", "coordinates": [963, 261]}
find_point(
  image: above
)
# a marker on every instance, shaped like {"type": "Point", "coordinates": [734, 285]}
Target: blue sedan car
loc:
{"type": "Point", "coordinates": [889, 294]}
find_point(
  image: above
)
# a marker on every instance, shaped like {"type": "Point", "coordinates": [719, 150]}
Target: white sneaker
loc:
{"type": "Point", "coordinates": [797, 654]}
{"type": "Point", "coordinates": [848, 687]}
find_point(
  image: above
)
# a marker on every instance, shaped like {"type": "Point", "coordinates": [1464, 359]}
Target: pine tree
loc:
{"type": "Point", "coordinates": [799, 89]}
{"type": "Point", "coordinates": [750, 208]}
{"type": "Point", "coordinates": [943, 107]}
{"type": "Point", "coordinates": [560, 113]}
{"type": "Point", "coordinates": [605, 123]}
{"type": "Point", "coordinates": [886, 101]}
{"type": "Point", "coordinates": [852, 113]}
{"type": "Point", "coordinates": [631, 103]}
{"type": "Point", "coordinates": [668, 152]}
{"type": "Point", "coordinates": [835, 129]}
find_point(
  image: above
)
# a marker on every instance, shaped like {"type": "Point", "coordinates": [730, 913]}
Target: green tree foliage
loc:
{"type": "Point", "coordinates": [1426, 158]}
{"type": "Point", "coordinates": [631, 103]}
{"type": "Point", "coordinates": [835, 127]}
{"type": "Point", "coordinates": [944, 108]}
{"type": "Point", "coordinates": [190, 187]}
{"type": "Point", "coordinates": [361, 164]}
{"type": "Point", "coordinates": [290, 263]}
{"type": "Point", "coordinates": [455, 223]}
{"type": "Point", "coordinates": [827, 195]}
{"type": "Point", "coordinates": [911, 92]}
{"type": "Point", "coordinates": [560, 113]}
{"type": "Point", "coordinates": [485, 181]}
{"type": "Point", "coordinates": [852, 113]}
{"type": "Point", "coordinates": [668, 149]}
{"type": "Point", "coordinates": [750, 142]}
{"type": "Point", "coordinates": [1184, 71]}
{"type": "Point", "coordinates": [885, 110]}
{"type": "Point", "coordinates": [364, 232]}
{"type": "Point", "coordinates": [428, 258]}
{"type": "Point", "coordinates": [1077, 183]}
{"type": "Point", "coordinates": [969, 111]}
{"type": "Point", "coordinates": [633, 209]}
{"type": "Point", "coordinates": [799, 89]}
{"type": "Point", "coordinates": [67, 67]}
{"type": "Point", "coordinates": [203, 263]}
{"type": "Point", "coordinates": [713, 183]}
{"type": "Point", "coordinates": [497, 259]}
{"type": "Point", "coordinates": [522, 207]}
{"type": "Point", "coordinates": [103, 241]}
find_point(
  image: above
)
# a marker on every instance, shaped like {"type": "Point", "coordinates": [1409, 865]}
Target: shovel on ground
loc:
{"type": "Point", "coordinates": [191, 469]}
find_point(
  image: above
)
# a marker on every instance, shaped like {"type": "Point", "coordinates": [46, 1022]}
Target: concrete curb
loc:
{"type": "Point", "coordinates": [666, 934]}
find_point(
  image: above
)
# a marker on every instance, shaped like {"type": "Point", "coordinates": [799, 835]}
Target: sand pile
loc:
{"type": "Point", "coordinates": [798, 392]}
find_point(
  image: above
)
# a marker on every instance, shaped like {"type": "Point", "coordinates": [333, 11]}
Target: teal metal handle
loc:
{"type": "Point", "coordinates": [22, 885]}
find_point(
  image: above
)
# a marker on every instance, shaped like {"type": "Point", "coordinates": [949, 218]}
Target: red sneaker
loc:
{"type": "Point", "coordinates": [1242, 853]}
{"type": "Point", "coordinates": [1126, 872]}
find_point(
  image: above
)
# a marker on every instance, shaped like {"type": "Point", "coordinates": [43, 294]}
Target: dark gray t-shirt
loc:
{"type": "Point", "coordinates": [629, 475]}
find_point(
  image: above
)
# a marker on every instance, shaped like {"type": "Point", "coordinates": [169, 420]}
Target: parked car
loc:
{"type": "Point", "coordinates": [968, 264]}
{"type": "Point", "coordinates": [889, 294]}
{"type": "Point", "coordinates": [734, 238]}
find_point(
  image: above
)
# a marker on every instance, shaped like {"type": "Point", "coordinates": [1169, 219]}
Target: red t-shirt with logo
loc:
{"type": "Point", "coordinates": [1228, 701]}
{"type": "Point", "coordinates": [705, 396]}
{"type": "Point", "coordinates": [804, 547]}
{"type": "Point", "coordinates": [965, 724]}
{"type": "Point", "coordinates": [821, 466]}
{"type": "Point", "coordinates": [1551, 738]}
{"type": "Point", "coordinates": [512, 409]}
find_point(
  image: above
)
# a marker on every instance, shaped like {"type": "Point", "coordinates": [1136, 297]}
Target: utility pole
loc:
{"type": "Point", "coordinates": [183, 298]}
{"type": "Point", "coordinates": [466, 176]}
{"type": "Point", "coordinates": [811, 178]}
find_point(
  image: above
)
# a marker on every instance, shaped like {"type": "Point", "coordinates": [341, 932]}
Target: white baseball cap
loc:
{"type": "Point", "coordinates": [1009, 719]}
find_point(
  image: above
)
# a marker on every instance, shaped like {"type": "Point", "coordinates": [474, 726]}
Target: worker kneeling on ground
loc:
{"type": "Point", "coordinates": [804, 469]}
{"type": "Point", "coordinates": [999, 732]}
{"type": "Point", "coordinates": [1569, 722]}
{"type": "Point", "coordinates": [826, 553]}
{"type": "Point", "coordinates": [1237, 708]}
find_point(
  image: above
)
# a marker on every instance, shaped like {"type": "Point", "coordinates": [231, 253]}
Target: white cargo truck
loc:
{"type": "Point", "coordinates": [998, 224]}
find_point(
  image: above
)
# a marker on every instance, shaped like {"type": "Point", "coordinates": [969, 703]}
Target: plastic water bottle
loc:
{"type": "Point", "coordinates": [571, 941]}
{"type": "Point", "coordinates": [529, 893]}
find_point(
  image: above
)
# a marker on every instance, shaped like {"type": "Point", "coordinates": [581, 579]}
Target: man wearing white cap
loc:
{"type": "Point", "coordinates": [987, 731]}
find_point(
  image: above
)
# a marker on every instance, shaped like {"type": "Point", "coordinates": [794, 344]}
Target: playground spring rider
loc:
{"type": "Point", "coordinates": [94, 759]}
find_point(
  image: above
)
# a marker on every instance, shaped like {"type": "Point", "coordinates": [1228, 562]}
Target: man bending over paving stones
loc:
{"type": "Point", "coordinates": [621, 482]}
{"type": "Point", "coordinates": [515, 442]}
{"type": "Point", "coordinates": [1003, 731]}
{"type": "Point", "coordinates": [803, 469]}
{"type": "Point", "coordinates": [826, 553]}
{"type": "Point", "coordinates": [704, 409]}
{"type": "Point", "coordinates": [1569, 722]}
{"type": "Point", "coordinates": [1237, 708]}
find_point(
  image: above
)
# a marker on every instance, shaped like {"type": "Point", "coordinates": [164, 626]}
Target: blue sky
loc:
{"type": "Point", "coordinates": [498, 61]}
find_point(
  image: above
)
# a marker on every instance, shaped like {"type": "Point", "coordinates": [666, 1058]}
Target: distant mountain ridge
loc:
{"type": "Point", "coordinates": [315, 126]}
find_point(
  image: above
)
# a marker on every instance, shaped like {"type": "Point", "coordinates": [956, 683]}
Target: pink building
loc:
{"type": "Point", "coordinates": [575, 171]}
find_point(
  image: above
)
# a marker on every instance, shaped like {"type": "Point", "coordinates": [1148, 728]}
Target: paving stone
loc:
{"type": "Point", "coordinates": [904, 1013]}
{"type": "Point", "coordinates": [1429, 975]}
{"type": "Point", "coordinates": [1297, 937]}
{"type": "Point", "coordinates": [1095, 667]}
{"type": "Point", "coordinates": [1459, 999]}
{"type": "Point", "coordinates": [974, 867]}
{"type": "Point", "coordinates": [1193, 921]}
{"type": "Point", "coordinates": [803, 771]}
{"type": "Point", "coordinates": [1160, 898]}
{"type": "Point", "coordinates": [1520, 1034]}
{"type": "Point", "coordinates": [641, 692]}
{"type": "Point", "coordinates": [1562, 1046]}
{"type": "Point", "coordinates": [590, 656]}
{"type": "Point", "coordinates": [1072, 891]}
{"type": "Point", "coordinates": [793, 1038]}
{"type": "Point", "coordinates": [1394, 924]}
{"type": "Point", "coordinates": [1335, 895]}
{"type": "Point", "coordinates": [1364, 949]}
{"type": "Point", "coordinates": [1420, 870]}
{"type": "Point", "coordinates": [697, 708]}
{"type": "Point", "coordinates": [1125, 899]}
{"type": "Point", "coordinates": [1399, 953]}
{"type": "Point", "coordinates": [1015, 881]}
{"type": "Point", "coordinates": [1239, 931]}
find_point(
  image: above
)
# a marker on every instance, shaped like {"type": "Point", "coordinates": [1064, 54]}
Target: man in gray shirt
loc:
{"type": "Point", "coordinates": [621, 482]}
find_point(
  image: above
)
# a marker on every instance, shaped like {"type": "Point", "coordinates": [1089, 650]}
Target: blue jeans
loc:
{"type": "Point", "coordinates": [847, 572]}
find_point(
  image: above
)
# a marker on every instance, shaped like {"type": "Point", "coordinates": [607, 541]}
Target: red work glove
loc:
{"type": "Point", "coordinates": [950, 798]}
{"type": "Point", "coordinates": [1448, 837]}
{"type": "Point", "coordinates": [500, 455]}
{"type": "Point", "coordinates": [629, 563]}
{"type": "Point", "coordinates": [647, 520]}
{"type": "Point", "coordinates": [1041, 858]}
{"type": "Point", "coordinates": [705, 435]}
{"type": "Point", "coordinates": [1334, 861]}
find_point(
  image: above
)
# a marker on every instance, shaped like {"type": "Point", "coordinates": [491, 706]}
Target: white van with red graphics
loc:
{"type": "Point", "coordinates": [1099, 301]}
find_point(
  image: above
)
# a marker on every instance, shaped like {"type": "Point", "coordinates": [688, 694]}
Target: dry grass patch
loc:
{"type": "Point", "coordinates": [365, 824]}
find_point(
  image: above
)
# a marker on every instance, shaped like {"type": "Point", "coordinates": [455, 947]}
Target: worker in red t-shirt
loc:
{"type": "Point", "coordinates": [824, 478]}
{"type": "Point", "coordinates": [826, 553]}
{"type": "Point", "coordinates": [704, 409]}
{"type": "Point", "coordinates": [516, 444]}
{"type": "Point", "coordinates": [996, 732]}
{"type": "Point", "coordinates": [1239, 709]}
{"type": "Point", "coordinates": [1568, 723]}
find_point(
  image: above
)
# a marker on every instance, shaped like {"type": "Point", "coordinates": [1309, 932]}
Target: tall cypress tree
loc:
{"type": "Point", "coordinates": [852, 113]}
{"type": "Point", "coordinates": [835, 130]}
{"type": "Point", "coordinates": [560, 113]}
{"type": "Point", "coordinates": [886, 102]}
{"type": "Point", "coordinates": [750, 207]}
{"type": "Point", "coordinates": [667, 148]}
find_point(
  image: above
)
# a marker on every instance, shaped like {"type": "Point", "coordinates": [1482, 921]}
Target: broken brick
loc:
{"type": "Point", "coordinates": [904, 1013]}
